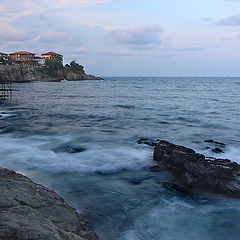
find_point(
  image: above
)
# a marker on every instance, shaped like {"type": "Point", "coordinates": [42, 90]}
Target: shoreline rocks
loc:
{"type": "Point", "coordinates": [194, 173]}
{"type": "Point", "coordinates": [14, 73]}
{"type": "Point", "coordinates": [31, 211]}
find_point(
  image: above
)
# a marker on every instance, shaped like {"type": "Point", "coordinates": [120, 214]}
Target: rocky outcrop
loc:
{"type": "Point", "coordinates": [14, 73]}
{"type": "Point", "coordinates": [195, 173]}
{"type": "Point", "coordinates": [30, 211]}
{"type": "Point", "coordinates": [71, 76]}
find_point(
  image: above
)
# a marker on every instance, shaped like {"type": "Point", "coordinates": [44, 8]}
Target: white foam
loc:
{"type": "Point", "coordinates": [6, 114]}
{"type": "Point", "coordinates": [36, 152]}
{"type": "Point", "coordinates": [231, 153]}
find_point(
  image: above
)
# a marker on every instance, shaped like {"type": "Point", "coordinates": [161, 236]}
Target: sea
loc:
{"type": "Point", "coordinates": [81, 140]}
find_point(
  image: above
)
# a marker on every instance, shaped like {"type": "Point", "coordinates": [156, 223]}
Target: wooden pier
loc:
{"type": "Point", "coordinates": [5, 90]}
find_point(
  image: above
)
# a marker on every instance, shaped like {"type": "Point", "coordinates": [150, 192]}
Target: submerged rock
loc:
{"type": "Point", "coordinates": [195, 173]}
{"type": "Point", "coordinates": [216, 142]}
{"type": "Point", "coordinates": [217, 150]}
{"type": "Point", "coordinates": [31, 211]}
{"type": "Point", "coordinates": [69, 149]}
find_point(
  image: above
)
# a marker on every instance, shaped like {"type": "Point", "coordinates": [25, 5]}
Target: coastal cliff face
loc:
{"type": "Point", "coordinates": [31, 211]}
{"type": "Point", "coordinates": [195, 173]}
{"type": "Point", "coordinates": [14, 73]}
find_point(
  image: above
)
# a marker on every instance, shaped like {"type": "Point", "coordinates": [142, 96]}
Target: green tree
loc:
{"type": "Point", "coordinates": [53, 65]}
{"type": "Point", "coordinates": [76, 67]}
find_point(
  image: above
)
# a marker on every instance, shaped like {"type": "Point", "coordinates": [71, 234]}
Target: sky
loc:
{"type": "Point", "coordinates": [162, 38]}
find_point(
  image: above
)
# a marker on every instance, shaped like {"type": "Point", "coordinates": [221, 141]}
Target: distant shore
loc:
{"type": "Point", "coordinates": [14, 73]}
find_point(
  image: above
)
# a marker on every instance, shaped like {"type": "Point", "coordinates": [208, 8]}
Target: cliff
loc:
{"type": "Point", "coordinates": [31, 211]}
{"type": "Point", "coordinates": [14, 73]}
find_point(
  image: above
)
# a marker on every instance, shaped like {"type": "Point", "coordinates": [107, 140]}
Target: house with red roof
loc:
{"type": "Point", "coordinates": [23, 58]}
{"type": "Point", "coordinates": [50, 55]}
{"type": "Point", "coordinates": [26, 59]}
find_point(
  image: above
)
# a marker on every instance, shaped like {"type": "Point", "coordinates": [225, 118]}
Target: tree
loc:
{"type": "Point", "coordinates": [53, 65]}
{"type": "Point", "coordinates": [3, 61]}
{"type": "Point", "coordinates": [76, 67]}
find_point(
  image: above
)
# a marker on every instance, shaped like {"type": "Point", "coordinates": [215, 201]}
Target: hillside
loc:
{"type": "Point", "coordinates": [15, 73]}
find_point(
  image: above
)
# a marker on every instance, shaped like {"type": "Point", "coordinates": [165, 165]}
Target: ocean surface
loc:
{"type": "Point", "coordinates": [80, 139]}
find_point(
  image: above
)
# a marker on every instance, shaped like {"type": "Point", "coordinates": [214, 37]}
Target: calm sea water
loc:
{"type": "Point", "coordinates": [110, 181]}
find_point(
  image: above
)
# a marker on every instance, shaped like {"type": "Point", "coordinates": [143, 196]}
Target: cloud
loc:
{"type": "Point", "coordinates": [168, 55]}
{"type": "Point", "coordinates": [230, 21]}
{"type": "Point", "coordinates": [17, 35]}
{"type": "Point", "coordinates": [11, 10]}
{"type": "Point", "coordinates": [137, 36]}
{"type": "Point", "coordinates": [190, 49]}
{"type": "Point", "coordinates": [50, 37]}
{"type": "Point", "coordinates": [33, 6]}
{"type": "Point", "coordinates": [114, 54]}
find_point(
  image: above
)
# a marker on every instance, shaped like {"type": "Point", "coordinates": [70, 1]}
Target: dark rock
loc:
{"type": "Point", "coordinates": [217, 150]}
{"type": "Point", "coordinates": [31, 211]}
{"type": "Point", "coordinates": [196, 173]}
{"type": "Point", "coordinates": [146, 141]}
{"type": "Point", "coordinates": [69, 149]}
{"type": "Point", "coordinates": [215, 142]}
{"type": "Point", "coordinates": [209, 141]}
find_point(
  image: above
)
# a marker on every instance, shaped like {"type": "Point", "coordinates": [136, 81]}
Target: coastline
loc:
{"type": "Point", "coordinates": [18, 74]}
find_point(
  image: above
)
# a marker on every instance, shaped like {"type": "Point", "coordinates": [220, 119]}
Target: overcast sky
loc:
{"type": "Point", "coordinates": [129, 37]}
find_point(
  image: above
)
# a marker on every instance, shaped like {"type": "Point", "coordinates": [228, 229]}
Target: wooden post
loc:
{"type": "Point", "coordinates": [5, 90]}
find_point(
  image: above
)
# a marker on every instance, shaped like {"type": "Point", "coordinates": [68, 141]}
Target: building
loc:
{"type": "Point", "coordinates": [40, 60]}
{"type": "Point", "coordinates": [28, 59]}
{"type": "Point", "coordinates": [24, 58]}
{"type": "Point", "coordinates": [5, 56]}
{"type": "Point", "coordinates": [50, 55]}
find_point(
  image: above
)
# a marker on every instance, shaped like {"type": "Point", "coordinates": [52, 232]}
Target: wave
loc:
{"type": "Point", "coordinates": [6, 114]}
{"type": "Point", "coordinates": [38, 152]}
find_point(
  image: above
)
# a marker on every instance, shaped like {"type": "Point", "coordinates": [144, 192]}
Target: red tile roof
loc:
{"type": "Point", "coordinates": [39, 58]}
{"type": "Point", "coordinates": [51, 53]}
{"type": "Point", "coordinates": [22, 53]}
{"type": "Point", "coordinates": [1, 53]}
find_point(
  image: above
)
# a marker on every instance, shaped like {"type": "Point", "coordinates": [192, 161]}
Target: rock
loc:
{"type": "Point", "coordinates": [31, 211]}
{"type": "Point", "coordinates": [217, 150]}
{"type": "Point", "coordinates": [15, 73]}
{"type": "Point", "coordinates": [216, 142]}
{"type": "Point", "coordinates": [196, 173]}
{"type": "Point", "coordinates": [69, 149]}
{"type": "Point", "coordinates": [146, 141]}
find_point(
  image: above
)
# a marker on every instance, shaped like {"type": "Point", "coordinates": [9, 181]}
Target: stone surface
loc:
{"type": "Point", "coordinates": [31, 211]}
{"type": "Point", "coordinates": [195, 173]}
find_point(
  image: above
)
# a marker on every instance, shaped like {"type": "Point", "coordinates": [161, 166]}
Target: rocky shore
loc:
{"type": "Point", "coordinates": [195, 173]}
{"type": "Point", "coordinates": [14, 73]}
{"type": "Point", "coordinates": [31, 211]}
